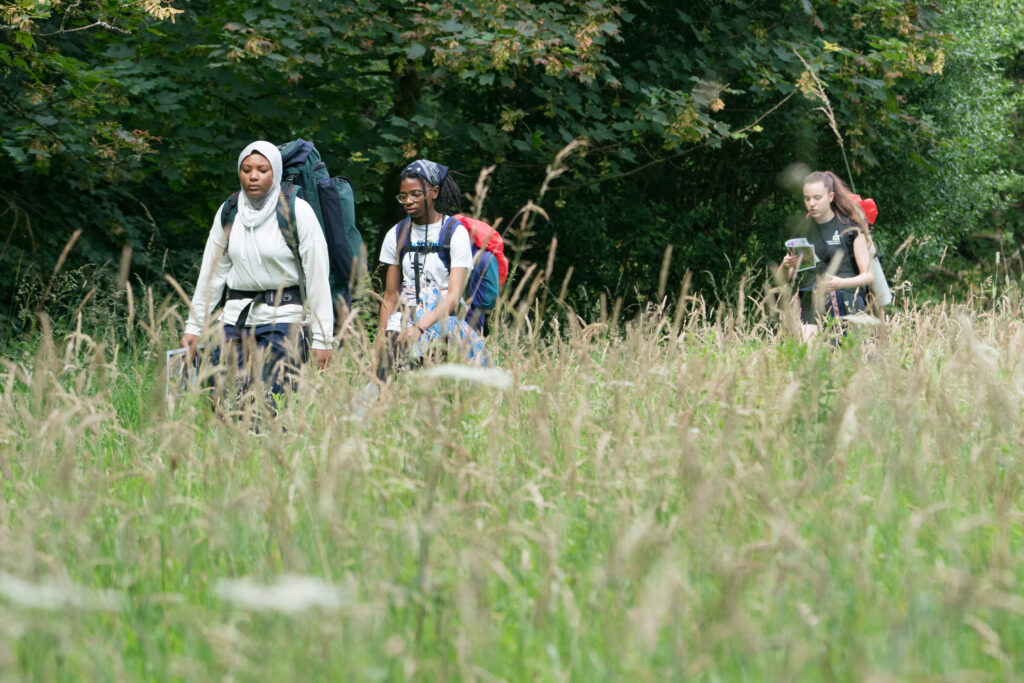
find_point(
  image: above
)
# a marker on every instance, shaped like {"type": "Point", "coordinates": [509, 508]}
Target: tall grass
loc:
{"type": "Point", "coordinates": [684, 494]}
{"type": "Point", "coordinates": [678, 496]}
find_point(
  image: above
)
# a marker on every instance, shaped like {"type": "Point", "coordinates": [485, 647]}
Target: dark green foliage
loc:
{"type": "Point", "coordinates": [691, 113]}
{"type": "Point", "coordinates": [957, 177]}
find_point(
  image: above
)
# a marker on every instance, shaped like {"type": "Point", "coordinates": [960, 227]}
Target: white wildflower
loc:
{"type": "Point", "coordinates": [862, 318]}
{"type": "Point", "coordinates": [361, 403]}
{"type": "Point", "coordinates": [847, 429]}
{"type": "Point", "coordinates": [985, 353]}
{"type": "Point", "coordinates": [491, 377]}
{"type": "Point", "coordinates": [290, 594]}
{"type": "Point", "coordinates": [58, 595]}
{"type": "Point", "coordinates": [808, 614]}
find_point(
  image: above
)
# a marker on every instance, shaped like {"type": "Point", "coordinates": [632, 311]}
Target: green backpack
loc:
{"type": "Point", "coordinates": [306, 176]}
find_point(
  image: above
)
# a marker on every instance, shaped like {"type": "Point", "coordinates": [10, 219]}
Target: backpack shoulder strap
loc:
{"type": "Point", "coordinates": [447, 230]}
{"type": "Point", "coordinates": [444, 241]}
{"type": "Point", "coordinates": [289, 230]}
{"type": "Point", "coordinates": [228, 211]}
{"type": "Point", "coordinates": [402, 236]}
{"type": "Point", "coordinates": [848, 236]}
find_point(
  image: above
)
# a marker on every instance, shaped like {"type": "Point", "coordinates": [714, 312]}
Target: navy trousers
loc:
{"type": "Point", "coordinates": [282, 348]}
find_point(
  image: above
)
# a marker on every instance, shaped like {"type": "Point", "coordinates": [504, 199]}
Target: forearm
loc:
{"type": "Point", "coordinates": [862, 259]}
{"type": "Point", "coordinates": [209, 285]}
{"type": "Point", "coordinates": [315, 267]}
{"type": "Point", "coordinates": [320, 315]}
{"type": "Point", "coordinates": [387, 306]}
{"type": "Point", "coordinates": [445, 308]}
{"type": "Point", "coordinates": [862, 280]}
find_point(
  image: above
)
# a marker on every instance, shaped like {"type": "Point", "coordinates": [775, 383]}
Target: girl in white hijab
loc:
{"type": "Point", "coordinates": [247, 254]}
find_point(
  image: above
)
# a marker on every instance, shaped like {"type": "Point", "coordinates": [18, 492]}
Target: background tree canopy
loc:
{"type": "Point", "coordinates": [124, 121]}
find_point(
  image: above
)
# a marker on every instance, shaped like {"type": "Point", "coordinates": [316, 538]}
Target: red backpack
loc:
{"type": "Point", "coordinates": [869, 208]}
{"type": "Point", "coordinates": [486, 237]}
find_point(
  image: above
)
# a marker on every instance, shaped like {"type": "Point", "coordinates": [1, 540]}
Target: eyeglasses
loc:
{"type": "Point", "coordinates": [415, 194]}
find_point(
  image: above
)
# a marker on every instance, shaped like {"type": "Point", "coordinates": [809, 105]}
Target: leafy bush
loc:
{"type": "Point", "coordinates": [690, 115]}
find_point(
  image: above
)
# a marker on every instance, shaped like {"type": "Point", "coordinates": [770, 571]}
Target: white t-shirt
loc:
{"type": "Point", "coordinates": [432, 270]}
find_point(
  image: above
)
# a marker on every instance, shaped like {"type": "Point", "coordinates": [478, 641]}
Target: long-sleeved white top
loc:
{"type": "Point", "coordinates": [258, 258]}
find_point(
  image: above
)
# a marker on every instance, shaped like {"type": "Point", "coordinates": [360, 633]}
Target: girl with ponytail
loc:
{"type": "Point", "coordinates": [838, 230]}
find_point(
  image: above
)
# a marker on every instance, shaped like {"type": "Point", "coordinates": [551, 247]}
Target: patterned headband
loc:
{"type": "Point", "coordinates": [433, 173]}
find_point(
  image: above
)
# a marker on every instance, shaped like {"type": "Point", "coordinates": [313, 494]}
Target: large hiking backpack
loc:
{"type": "Point", "coordinates": [490, 266]}
{"type": "Point", "coordinates": [334, 204]}
{"type": "Point", "coordinates": [880, 292]}
{"type": "Point", "coordinates": [306, 176]}
{"type": "Point", "coordinates": [486, 237]}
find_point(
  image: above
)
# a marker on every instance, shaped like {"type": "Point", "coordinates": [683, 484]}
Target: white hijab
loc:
{"type": "Point", "coordinates": [250, 212]}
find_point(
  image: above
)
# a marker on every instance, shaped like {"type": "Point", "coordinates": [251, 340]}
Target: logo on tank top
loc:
{"type": "Point", "coordinates": [835, 239]}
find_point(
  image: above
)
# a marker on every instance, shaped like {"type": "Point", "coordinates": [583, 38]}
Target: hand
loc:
{"type": "Point", "coordinates": [190, 342]}
{"type": "Point", "coordinates": [321, 356]}
{"type": "Point", "coordinates": [832, 282]}
{"type": "Point", "coordinates": [790, 261]}
{"type": "Point", "coordinates": [411, 334]}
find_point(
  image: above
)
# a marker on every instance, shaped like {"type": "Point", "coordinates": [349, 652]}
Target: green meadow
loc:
{"type": "Point", "coordinates": [679, 496]}
{"type": "Point", "coordinates": [638, 487]}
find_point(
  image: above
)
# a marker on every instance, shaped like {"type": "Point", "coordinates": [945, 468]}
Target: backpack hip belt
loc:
{"type": "Point", "coordinates": [288, 295]}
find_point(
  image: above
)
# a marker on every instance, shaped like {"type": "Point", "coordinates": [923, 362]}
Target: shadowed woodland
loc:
{"type": "Point", "coordinates": [122, 121]}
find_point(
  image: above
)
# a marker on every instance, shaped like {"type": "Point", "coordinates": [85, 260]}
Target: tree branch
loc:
{"type": "Point", "coordinates": [655, 162]}
{"type": "Point", "coordinates": [101, 24]}
{"type": "Point", "coordinates": [14, 105]}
